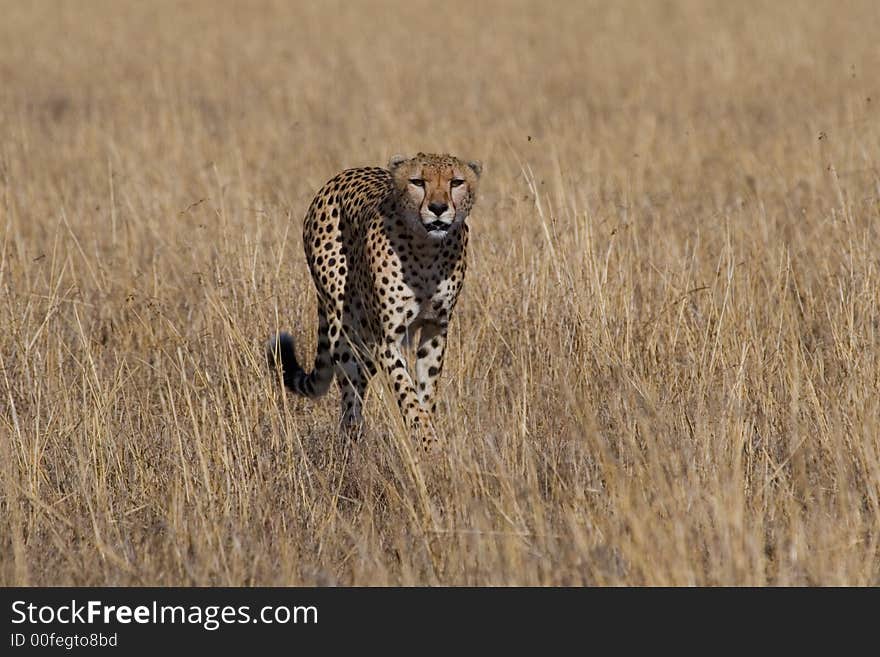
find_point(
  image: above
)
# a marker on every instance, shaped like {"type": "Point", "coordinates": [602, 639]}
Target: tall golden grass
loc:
{"type": "Point", "coordinates": [663, 369]}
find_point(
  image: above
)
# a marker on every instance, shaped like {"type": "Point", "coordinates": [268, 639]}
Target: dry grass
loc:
{"type": "Point", "coordinates": [664, 368]}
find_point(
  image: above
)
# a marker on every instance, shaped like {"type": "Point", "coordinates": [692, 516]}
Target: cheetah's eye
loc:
{"type": "Point", "coordinates": [455, 182]}
{"type": "Point", "coordinates": [418, 182]}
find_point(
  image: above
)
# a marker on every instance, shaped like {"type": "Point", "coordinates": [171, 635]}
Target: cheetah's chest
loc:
{"type": "Point", "coordinates": [410, 283]}
{"type": "Point", "coordinates": [426, 295]}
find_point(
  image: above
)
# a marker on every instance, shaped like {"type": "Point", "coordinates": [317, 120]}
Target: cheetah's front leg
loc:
{"type": "Point", "coordinates": [415, 416]}
{"type": "Point", "coordinates": [429, 362]}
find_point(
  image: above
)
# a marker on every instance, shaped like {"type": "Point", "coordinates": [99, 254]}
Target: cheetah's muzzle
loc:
{"type": "Point", "coordinates": [437, 225]}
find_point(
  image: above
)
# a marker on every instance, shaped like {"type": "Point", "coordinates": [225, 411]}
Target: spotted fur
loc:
{"type": "Point", "coordinates": [387, 253]}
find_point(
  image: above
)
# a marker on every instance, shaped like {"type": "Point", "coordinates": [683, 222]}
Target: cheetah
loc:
{"type": "Point", "coordinates": [387, 253]}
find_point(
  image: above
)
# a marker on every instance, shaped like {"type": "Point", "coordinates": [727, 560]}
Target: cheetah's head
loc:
{"type": "Point", "coordinates": [435, 192]}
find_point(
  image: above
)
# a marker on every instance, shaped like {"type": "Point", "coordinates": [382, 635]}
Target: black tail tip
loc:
{"type": "Point", "coordinates": [280, 350]}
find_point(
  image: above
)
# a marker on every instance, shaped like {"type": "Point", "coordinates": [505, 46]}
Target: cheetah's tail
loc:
{"type": "Point", "coordinates": [312, 384]}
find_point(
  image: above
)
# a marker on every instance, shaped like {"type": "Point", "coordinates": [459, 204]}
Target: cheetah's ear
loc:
{"type": "Point", "coordinates": [476, 166]}
{"type": "Point", "coordinates": [396, 161]}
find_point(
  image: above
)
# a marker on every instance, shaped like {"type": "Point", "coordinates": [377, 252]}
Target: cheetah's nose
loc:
{"type": "Point", "coordinates": [438, 208]}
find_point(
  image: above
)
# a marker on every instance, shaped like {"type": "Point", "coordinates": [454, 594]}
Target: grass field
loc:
{"type": "Point", "coordinates": [664, 367]}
